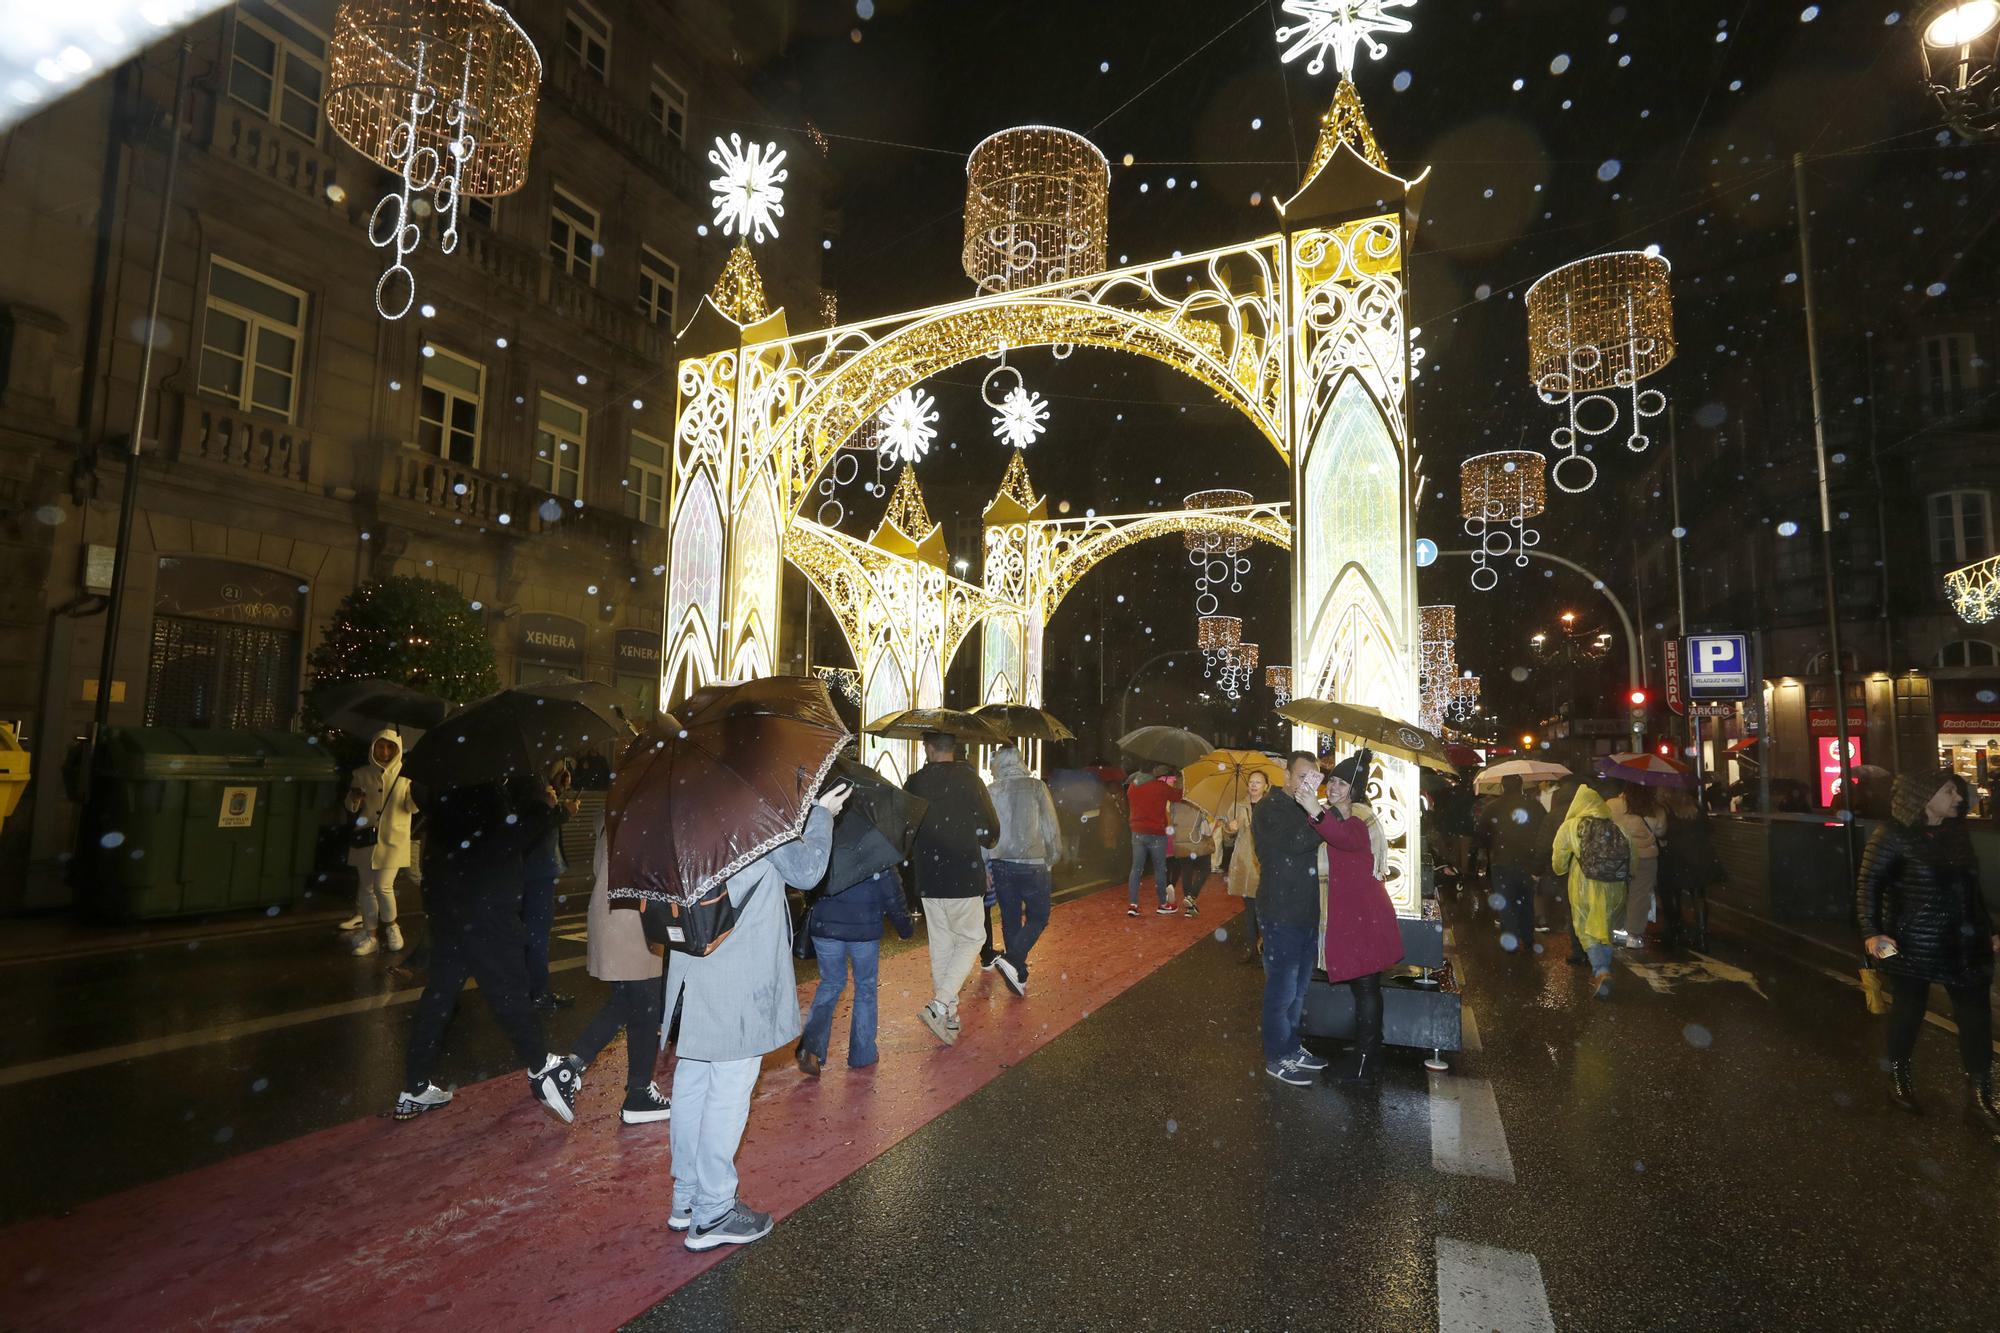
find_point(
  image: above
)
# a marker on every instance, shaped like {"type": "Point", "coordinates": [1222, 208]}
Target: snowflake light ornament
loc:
{"type": "Point", "coordinates": [1339, 26]}
{"type": "Point", "coordinates": [908, 425]}
{"type": "Point", "coordinates": [749, 194]}
{"type": "Point", "coordinates": [1023, 416]}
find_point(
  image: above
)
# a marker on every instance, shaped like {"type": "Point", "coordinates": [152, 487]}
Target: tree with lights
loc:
{"type": "Point", "coordinates": [413, 631]}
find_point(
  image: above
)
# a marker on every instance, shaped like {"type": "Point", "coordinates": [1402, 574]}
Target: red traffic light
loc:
{"type": "Point", "coordinates": [1638, 698]}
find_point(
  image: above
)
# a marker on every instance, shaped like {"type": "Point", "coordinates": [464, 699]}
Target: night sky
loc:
{"type": "Point", "coordinates": [1556, 130]}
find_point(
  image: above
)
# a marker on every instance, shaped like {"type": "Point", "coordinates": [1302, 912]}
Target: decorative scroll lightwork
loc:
{"type": "Point", "coordinates": [442, 93]}
{"type": "Point", "coordinates": [1497, 494]}
{"type": "Point", "coordinates": [1596, 328]}
{"type": "Point", "coordinates": [1975, 591]}
{"type": "Point", "coordinates": [843, 681]}
{"type": "Point", "coordinates": [1036, 203]}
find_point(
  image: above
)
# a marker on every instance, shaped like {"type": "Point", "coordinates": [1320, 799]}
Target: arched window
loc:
{"type": "Point", "coordinates": [1969, 653]}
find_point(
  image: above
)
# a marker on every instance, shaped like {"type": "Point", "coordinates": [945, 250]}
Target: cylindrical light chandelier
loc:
{"type": "Point", "coordinates": [1036, 204]}
{"type": "Point", "coordinates": [1497, 494]}
{"type": "Point", "coordinates": [1437, 663]}
{"type": "Point", "coordinates": [1596, 328]}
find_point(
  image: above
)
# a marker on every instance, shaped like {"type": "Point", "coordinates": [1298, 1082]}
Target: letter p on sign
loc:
{"type": "Point", "coordinates": [1714, 655]}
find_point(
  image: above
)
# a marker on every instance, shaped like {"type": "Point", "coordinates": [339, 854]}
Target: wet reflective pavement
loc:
{"type": "Point", "coordinates": [1709, 1149]}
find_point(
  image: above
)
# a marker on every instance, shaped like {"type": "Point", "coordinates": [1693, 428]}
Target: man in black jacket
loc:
{"type": "Point", "coordinates": [951, 873]}
{"type": "Point", "coordinates": [1512, 823]}
{"type": "Point", "coordinates": [1288, 913]}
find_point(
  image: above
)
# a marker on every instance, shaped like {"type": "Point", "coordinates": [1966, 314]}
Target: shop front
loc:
{"type": "Point", "coordinates": [224, 649]}
{"type": "Point", "coordinates": [547, 648]}
{"type": "Point", "coordinates": [1969, 744]}
{"type": "Point", "coordinates": [635, 656]}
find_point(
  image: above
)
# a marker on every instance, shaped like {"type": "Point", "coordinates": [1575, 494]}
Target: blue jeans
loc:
{"type": "Point", "coordinates": [1153, 847]}
{"type": "Point", "coordinates": [1288, 968]}
{"type": "Point", "coordinates": [834, 957]}
{"type": "Point", "coordinates": [1024, 888]}
{"type": "Point", "coordinates": [1600, 957]}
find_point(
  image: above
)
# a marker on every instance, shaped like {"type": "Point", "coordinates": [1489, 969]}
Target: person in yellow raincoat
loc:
{"type": "Point", "coordinates": [1594, 904]}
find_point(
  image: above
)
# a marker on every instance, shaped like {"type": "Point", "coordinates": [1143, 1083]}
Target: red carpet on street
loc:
{"type": "Point", "coordinates": [492, 1214]}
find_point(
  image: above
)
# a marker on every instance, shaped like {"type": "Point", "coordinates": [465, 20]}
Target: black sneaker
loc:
{"type": "Point", "coordinates": [739, 1226]}
{"type": "Point", "coordinates": [986, 961]}
{"type": "Point", "coordinates": [1286, 1071]}
{"type": "Point", "coordinates": [556, 1084]}
{"type": "Point", "coordinates": [1307, 1061]}
{"type": "Point", "coordinates": [550, 1001]}
{"type": "Point", "coordinates": [410, 1105]}
{"type": "Point", "coordinates": [1015, 981]}
{"type": "Point", "coordinates": [646, 1106]}
{"type": "Point", "coordinates": [1192, 909]}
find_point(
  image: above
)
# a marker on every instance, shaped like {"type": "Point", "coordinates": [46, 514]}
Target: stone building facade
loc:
{"type": "Point", "coordinates": [508, 436]}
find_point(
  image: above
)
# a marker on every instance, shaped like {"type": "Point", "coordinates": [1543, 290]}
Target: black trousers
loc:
{"type": "Point", "coordinates": [1971, 1009]}
{"type": "Point", "coordinates": [1194, 874]}
{"type": "Point", "coordinates": [479, 935]}
{"type": "Point", "coordinates": [1516, 888]}
{"type": "Point", "coordinates": [1367, 1011]}
{"type": "Point", "coordinates": [538, 920]}
{"type": "Point", "coordinates": [634, 1006]}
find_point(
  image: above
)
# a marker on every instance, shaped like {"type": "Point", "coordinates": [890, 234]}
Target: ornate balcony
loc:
{"type": "Point", "coordinates": [246, 443]}
{"type": "Point", "coordinates": [630, 129]}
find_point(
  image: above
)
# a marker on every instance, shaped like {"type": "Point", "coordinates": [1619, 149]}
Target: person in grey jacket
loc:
{"type": "Point", "coordinates": [1023, 861]}
{"type": "Point", "coordinates": [737, 1004]}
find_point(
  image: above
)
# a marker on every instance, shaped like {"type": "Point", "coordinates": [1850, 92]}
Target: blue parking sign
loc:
{"type": "Point", "coordinates": [1718, 666]}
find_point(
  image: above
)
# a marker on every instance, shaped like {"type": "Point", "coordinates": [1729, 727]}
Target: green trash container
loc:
{"type": "Point", "coordinates": [181, 822]}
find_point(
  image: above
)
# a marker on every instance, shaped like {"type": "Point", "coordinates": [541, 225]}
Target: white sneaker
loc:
{"type": "Point", "coordinates": [364, 944]}
{"type": "Point", "coordinates": [392, 938]}
{"type": "Point", "coordinates": [410, 1105]}
{"type": "Point", "coordinates": [352, 923]}
{"type": "Point", "coordinates": [933, 1017]}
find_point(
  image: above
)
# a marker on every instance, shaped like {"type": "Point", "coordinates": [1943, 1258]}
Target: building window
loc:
{"type": "Point", "coordinates": [1951, 373]}
{"type": "Point", "coordinates": [482, 212]}
{"type": "Point", "coordinates": [250, 339]}
{"type": "Point", "coordinates": [573, 236]}
{"type": "Point", "coordinates": [454, 395]}
{"type": "Point", "coordinates": [659, 286]}
{"type": "Point", "coordinates": [646, 480]}
{"type": "Point", "coordinates": [278, 66]}
{"type": "Point", "coordinates": [667, 103]}
{"type": "Point", "coordinates": [559, 432]}
{"type": "Point", "coordinates": [1961, 528]}
{"type": "Point", "coordinates": [1969, 653]}
{"type": "Point", "coordinates": [587, 36]}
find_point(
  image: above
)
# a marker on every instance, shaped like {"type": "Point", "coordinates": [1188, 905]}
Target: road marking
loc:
{"type": "Point", "coordinates": [1849, 979]}
{"type": "Point", "coordinates": [1468, 1030]}
{"type": "Point", "coordinates": [1467, 1138]}
{"type": "Point", "coordinates": [1486, 1290]}
{"type": "Point", "coordinates": [181, 1041]}
{"type": "Point", "coordinates": [1664, 977]}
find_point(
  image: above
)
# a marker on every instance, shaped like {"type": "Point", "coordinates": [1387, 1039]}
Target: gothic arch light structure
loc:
{"type": "Point", "coordinates": [1303, 331]}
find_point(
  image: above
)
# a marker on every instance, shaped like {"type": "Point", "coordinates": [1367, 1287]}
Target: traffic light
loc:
{"type": "Point", "coordinates": [1638, 698]}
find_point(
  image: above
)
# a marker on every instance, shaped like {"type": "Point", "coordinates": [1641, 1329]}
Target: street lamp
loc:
{"type": "Point", "coordinates": [1960, 46]}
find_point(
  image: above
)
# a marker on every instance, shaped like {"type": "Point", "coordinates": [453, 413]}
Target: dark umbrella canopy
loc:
{"type": "Point", "coordinates": [521, 730]}
{"type": "Point", "coordinates": [363, 707]}
{"type": "Point", "coordinates": [695, 802]}
{"type": "Point", "coordinates": [876, 829]}
{"type": "Point", "coordinates": [1025, 723]}
{"type": "Point", "coordinates": [913, 723]}
{"type": "Point", "coordinates": [1077, 789]}
{"type": "Point", "coordinates": [1175, 747]}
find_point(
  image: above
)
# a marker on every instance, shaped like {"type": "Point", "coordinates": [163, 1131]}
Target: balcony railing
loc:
{"type": "Point", "coordinates": [243, 442]}
{"type": "Point", "coordinates": [631, 129]}
{"type": "Point", "coordinates": [468, 497]}
{"type": "Point", "coordinates": [240, 135]}
{"type": "Point", "coordinates": [534, 277]}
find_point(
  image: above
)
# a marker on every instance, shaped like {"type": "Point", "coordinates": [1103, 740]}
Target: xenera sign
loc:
{"type": "Point", "coordinates": [1718, 666]}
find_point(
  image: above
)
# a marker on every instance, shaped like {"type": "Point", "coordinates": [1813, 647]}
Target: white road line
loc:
{"type": "Point", "coordinates": [1468, 1030]}
{"type": "Point", "coordinates": [1485, 1290]}
{"type": "Point", "coordinates": [1467, 1138]}
{"type": "Point", "coordinates": [1934, 1019]}
{"type": "Point", "coordinates": [181, 1041]}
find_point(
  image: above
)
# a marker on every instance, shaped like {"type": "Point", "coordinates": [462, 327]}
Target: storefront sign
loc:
{"type": "Point", "coordinates": [1829, 767]}
{"type": "Point", "coordinates": [239, 807]}
{"type": "Point", "coordinates": [1718, 666]}
{"type": "Point", "coordinates": [551, 640]}
{"type": "Point", "coordinates": [637, 651]}
{"type": "Point", "coordinates": [1672, 650]}
{"type": "Point", "coordinates": [1968, 724]}
{"type": "Point", "coordinates": [204, 589]}
{"type": "Point", "coordinates": [1823, 725]}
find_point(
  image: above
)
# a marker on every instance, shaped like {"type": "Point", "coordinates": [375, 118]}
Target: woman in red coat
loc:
{"type": "Point", "coordinates": [1362, 937]}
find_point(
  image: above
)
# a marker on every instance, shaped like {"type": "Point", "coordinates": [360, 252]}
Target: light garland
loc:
{"type": "Point", "coordinates": [1497, 494]}
{"type": "Point", "coordinates": [739, 288]}
{"type": "Point", "coordinates": [1975, 591]}
{"type": "Point", "coordinates": [1598, 326]}
{"type": "Point", "coordinates": [1036, 203]}
{"type": "Point", "coordinates": [749, 194]}
{"type": "Point", "coordinates": [442, 93]}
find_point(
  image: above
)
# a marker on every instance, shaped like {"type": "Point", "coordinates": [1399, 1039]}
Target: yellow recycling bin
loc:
{"type": "Point", "coordinates": [13, 771]}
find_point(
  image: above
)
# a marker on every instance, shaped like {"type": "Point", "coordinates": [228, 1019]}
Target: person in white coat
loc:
{"type": "Point", "coordinates": [379, 799]}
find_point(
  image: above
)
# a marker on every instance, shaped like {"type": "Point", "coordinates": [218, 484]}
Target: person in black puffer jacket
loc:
{"type": "Point", "coordinates": [1923, 919]}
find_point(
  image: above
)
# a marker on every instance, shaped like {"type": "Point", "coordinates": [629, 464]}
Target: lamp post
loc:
{"type": "Point", "coordinates": [1960, 44]}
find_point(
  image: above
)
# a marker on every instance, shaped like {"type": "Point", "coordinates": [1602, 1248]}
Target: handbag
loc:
{"type": "Point", "coordinates": [362, 834]}
{"type": "Point", "coordinates": [802, 944]}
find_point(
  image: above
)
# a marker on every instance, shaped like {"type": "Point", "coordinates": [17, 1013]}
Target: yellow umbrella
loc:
{"type": "Point", "coordinates": [1378, 731]}
{"type": "Point", "coordinates": [1220, 780]}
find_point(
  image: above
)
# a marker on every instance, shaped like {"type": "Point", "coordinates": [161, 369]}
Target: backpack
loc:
{"type": "Point", "coordinates": [697, 928]}
{"type": "Point", "coordinates": [1603, 849]}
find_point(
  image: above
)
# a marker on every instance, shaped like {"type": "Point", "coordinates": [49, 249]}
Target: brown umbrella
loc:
{"type": "Point", "coordinates": [695, 802]}
{"type": "Point", "coordinates": [1019, 720]}
{"type": "Point", "coordinates": [1380, 732]}
{"type": "Point", "coordinates": [912, 723]}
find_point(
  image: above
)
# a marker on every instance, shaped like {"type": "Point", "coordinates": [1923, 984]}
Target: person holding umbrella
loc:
{"type": "Point", "coordinates": [948, 858]}
{"type": "Point", "coordinates": [1023, 862]}
{"type": "Point", "coordinates": [1362, 939]}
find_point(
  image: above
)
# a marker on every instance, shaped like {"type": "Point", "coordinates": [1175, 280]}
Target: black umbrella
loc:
{"type": "Point", "coordinates": [522, 730]}
{"type": "Point", "coordinates": [363, 707]}
{"type": "Point", "coordinates": [1022, 721]}
{"type": "Point", "coordinates": [876, 829]}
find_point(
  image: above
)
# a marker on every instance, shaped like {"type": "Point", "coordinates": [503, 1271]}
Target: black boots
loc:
{"type": "Point", "coordinates": [1984, 1108]}
{"type": "Point", "coordinates": [1363, 1064]}
{"type": "Point", "coordinates": [1901, 1091]}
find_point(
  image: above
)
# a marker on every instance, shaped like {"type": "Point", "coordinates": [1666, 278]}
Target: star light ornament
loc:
{"type": "Point", "coordinates": [908, 426]}
{"type": "Point", "coordinates": [1339, 26]}
{"type": "Point", "coordinates": [749, 198]}
{"type": "Point", "coordinates": [1023, 416]}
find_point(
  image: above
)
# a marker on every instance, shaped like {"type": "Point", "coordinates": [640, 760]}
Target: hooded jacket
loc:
{"type": "Point", "coordinates": [1029, 830]}
{"type": "Point", "coordinates": [1593, 903]}
{"type": "Point", "coordinates": [958, 823]}
{"type": "Point", "coordinates": [386, 805]}
{"type": "Point", "coordinates": [1919, 885]}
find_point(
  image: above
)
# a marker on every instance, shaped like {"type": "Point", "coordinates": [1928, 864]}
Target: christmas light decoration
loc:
{"type": "Point", "coordinates": [749, 194]}
{"type": "Point", "coordinates": [1437, 663]}
{"type": "Point", "coordinates": [1598, 327]}
{"type": "Point", "coordinates": [1497, 494]}
{"type": "Point", "coordinates": [1216, 552]}
{"type": "Point", "coordinates": [1022, 418]}
{"type": "Point", "coordinates": [1278, 679]}
{"type": "Point", "coordinates": [909, 424]}
{"type": "Point", "coordinates": [1975, 591]}
{"type": "Point", "coordinates": [1338, 28]}
{"type": "Point", "coordinates": [1036, 201]}
{"type": "Point", "coordinates": [843, 681]}
{"type": "Point", "coordinates": [443, 94]}
{"type": "Point", "coordinates": [739, 289]}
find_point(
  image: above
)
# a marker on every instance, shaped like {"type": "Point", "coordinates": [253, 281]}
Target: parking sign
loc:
{"type": "Point", "coordinates": [1718, 666]}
